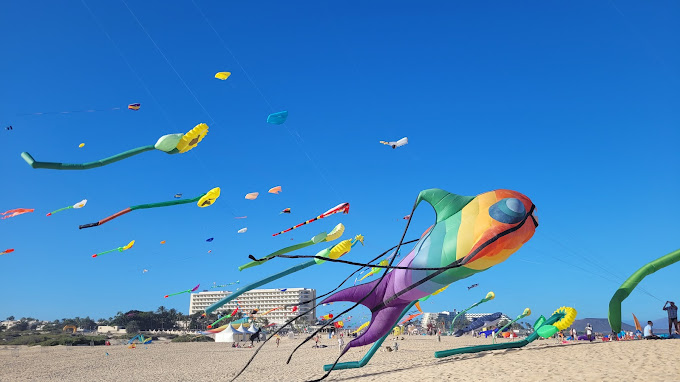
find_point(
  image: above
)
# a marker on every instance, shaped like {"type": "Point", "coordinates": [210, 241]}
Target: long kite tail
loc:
{"type": "Point", "coordinates": [120, 249]}
{"type": "Point", "coordinates": [175, 294]}
{"type": "Point", "coordinates": [84, 166]}
{"type": "Point", "coordinates": [61, 209]}
{"type": "Point", "coordinates": [139, 207]}
{"type": "Point", "coordinates": [344, 207]}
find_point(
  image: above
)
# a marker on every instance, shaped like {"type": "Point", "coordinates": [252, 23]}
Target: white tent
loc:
{"type": "Point", "coordinates": [252, 330]}
{"type": "Point", "coordinates": [245, 336]}
{"type": "Point", "coordinates": [229, 334]}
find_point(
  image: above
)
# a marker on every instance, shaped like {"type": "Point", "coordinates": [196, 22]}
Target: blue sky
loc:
{"type": "Point", "coordinates": [574, 105]}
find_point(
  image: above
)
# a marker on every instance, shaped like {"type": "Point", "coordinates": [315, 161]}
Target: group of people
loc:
{"type": "Point", "coordinates": [672, 311]}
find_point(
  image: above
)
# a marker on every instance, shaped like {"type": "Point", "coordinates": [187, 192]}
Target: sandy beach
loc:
{"type": "Point", "coordinates": [543, 360]}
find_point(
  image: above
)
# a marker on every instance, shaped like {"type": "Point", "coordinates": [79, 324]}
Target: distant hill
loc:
{"type": "Point", "coordinates": [600, 325]}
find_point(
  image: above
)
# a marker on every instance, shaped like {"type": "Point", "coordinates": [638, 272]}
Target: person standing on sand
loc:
{"type": "Point", "coordinates": [278, 339]}
{"type": "Point", "coordinates": [589, 332]}
{"type": "Point", "coordinates": [316, 342]}
{"type": "Point", "coordinates": [574, 334]}
{"type": "Point", "coordinates": [672, 317]}
{"type": "Point", "coordinates": [341, 343]}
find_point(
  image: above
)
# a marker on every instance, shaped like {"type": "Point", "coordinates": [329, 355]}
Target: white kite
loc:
{"type": "Point", "coordinates": [396, 144]}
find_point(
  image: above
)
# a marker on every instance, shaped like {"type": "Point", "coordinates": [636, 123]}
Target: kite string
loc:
{"type": "Point", "coordinates": [382, 277]}
{"type": "Point", "coordinates": [120, 53]}
{"type": "Point", "coordinates": [226, 47]}
{"type": "Point", "coordinates": [306, 312]}
{"type": "Point", "coordinates": [271, 108]}
{"type": "Point", "coordinates": [168, 62]}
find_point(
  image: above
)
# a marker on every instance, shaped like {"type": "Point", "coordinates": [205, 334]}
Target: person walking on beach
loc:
{"type": "Point", "coordinates": [316, 342]}
{"type": "Point", "coordinates": [649, 333]}
{"type": "Point", "coordinates": [278, 339]}
{"type": "Point", "coordinates": [589, 332]}
{"type": "Point", "coordinates": [341, 343]}
{"type": "Point", "coordinates": [672, 317]}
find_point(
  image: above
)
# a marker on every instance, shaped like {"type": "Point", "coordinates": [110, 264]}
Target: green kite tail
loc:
{"type": "Point", "coordinates": [506, 345]}
{"type": "Point", "coordinates": [84, 166]}
{"type": "Point", "coordinates": [312, 241]}
{"type": "Point", "coordinates": [489, 296]}
{"type": "Point", "coordinates": [335, 233]}
{"type": "Point", "coordinates": [526, 312]}
{"type": "Point", "coordinates": [203, 200]}
{"type": "Point", "coordinates": [627, 287]}
{"type": "Point", "coordinates": [169, 144]}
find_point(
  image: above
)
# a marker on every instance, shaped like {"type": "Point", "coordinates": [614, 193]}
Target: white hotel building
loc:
{"type": "Point", "coordinates": [262, 299]}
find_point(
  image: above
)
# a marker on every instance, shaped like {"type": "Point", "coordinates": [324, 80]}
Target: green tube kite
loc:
{"type": "Point", "coordinates": [526, 312]}
{"type": "Point", "coordinates": [203, 200]}
{"type": "Point", "coordinates": [627, 287]}
{"type": "Point", "coordinates": [333, 252]}
{"type": "Point", "coordinates": [119, 249]}
{"type": "Point", "coordinates": [336, 232]}
{"type": "Point", "coordinates": [489, 296]}
{"type": "Point", "coordinates": [170, 144]}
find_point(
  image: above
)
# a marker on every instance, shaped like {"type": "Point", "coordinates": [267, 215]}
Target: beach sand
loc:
{"type": "Point", "coordinates": [542, 360]}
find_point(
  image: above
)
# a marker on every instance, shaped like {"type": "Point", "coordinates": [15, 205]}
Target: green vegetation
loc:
{"type": "Point", "coordinates": [192, 338]}
{"type": "Point", "coordinates": [49, 339]}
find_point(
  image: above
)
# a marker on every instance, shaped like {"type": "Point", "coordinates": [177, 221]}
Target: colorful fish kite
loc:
{"type": "Point", "coordinates": [119, 249]}
{"type": "Point", "coordinates": [275, 190]}
{"type": "Point", "coordinates": [222, 75]}
{"type": "Point", "coordinates": [343, 207]}
{"type": "Point", "coordinates": [295, 308]}
{"type": "Point", "coordinates": [285, 211]}
{"type": "Point", "coordinates": [277, 118]}
{"type": "Point", "coordinates": [6, 251]}
{"type": "Point", "coordinates": [339, 324]}
{"type": "Point", "coordinates": [144, 271]}
{"type": "Point", "coordinates": [243, 230]}
{"type": "Point", "coordinates": [326, 317]}
{"type": "Point", "coordinates": [252, 195]}
{"type": "Point", "coordinates": [194, 289]}
{"type": "Point", "coordinates": [81, 145]}
{"type": "Point", "coordinates": [471, 234]}
{"type": "Point", "coordinates": [134, 106]}
{"type": "Point", "coordinates": [210, 239]}
{"type": "Point", "coordinates": [162, 241]}
{"type": "Point", "coordinates": [396, 144]}
{"type": "Point", "coordinates": [169, 144]}
{"type": "Point", "coordinates": [473, 286]}
{"type": "Point", "coordinates": [15, 212]}
{"type": "Point", "coordinates": [80, 204]}
{"type": "Point", "coordinates": [203, 200]}
{"type": "Point", "coordinates": [177, 196]}
{"type": "Point", "coordinates": [407, 217]}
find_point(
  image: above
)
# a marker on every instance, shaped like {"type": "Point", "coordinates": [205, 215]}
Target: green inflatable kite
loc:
{"type": "Point", "coordinates": [170, 144]}
{"type": "Point", "coordinates": [627, 287]}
